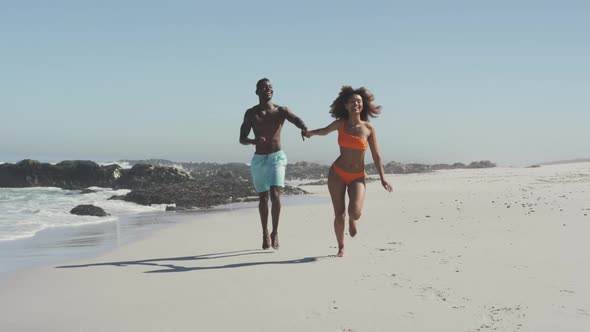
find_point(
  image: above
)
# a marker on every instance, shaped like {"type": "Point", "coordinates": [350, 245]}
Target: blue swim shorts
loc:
{"type": "Point", "coordinates": [268, 170]}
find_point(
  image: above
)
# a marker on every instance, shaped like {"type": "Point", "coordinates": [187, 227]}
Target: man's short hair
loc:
{"type": "Point", "coordinates": [260, 81]}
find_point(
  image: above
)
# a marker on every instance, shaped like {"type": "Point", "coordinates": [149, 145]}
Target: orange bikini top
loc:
{"type": "Point", "coordinates": [347, 140]}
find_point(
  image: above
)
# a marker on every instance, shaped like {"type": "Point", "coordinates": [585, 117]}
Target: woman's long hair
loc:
{"type": "Point", "coordinates": [338, 111]}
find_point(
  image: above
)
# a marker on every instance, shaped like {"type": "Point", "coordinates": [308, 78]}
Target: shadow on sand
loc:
{"type": "Point", "coordinates": [159, 262]}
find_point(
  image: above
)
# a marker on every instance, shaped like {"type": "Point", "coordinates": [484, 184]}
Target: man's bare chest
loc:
{"type": "Point", "coordinates": [267, 120]}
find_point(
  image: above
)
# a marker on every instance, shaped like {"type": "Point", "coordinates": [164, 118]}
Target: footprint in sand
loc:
{"type": "Point", "coordinates": [442, 296]}
{"type": "Point", "coordinates": [409, 314]}
{"type": "Point", "coordinates": [445, 260]}
{"type": "Point", "coordinates": [334, 306]}
{"type": "Point", "coordinates": [502, 318]}
{"type": "Point", "coordinates": [397, 281]}
{"type": "Point", "coordinates": [391, 246]}
{"type": "Point", "coordinates": [520, 267]}
{"type": "Point", "coordinates": [365, 276]}
{"type": "Point", "coordinates": [432, 293]}
{"type": "Point", "coordinates": [314, 314]}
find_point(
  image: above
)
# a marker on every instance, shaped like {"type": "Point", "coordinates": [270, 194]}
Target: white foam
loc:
{"type": "Point", "coordinates": [26, 211]}
{"type": "Point", "coordinates": [122, 164]}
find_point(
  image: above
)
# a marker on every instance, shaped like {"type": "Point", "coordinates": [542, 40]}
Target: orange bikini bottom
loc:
{"type": "Point", "coordinates": [348, 177]}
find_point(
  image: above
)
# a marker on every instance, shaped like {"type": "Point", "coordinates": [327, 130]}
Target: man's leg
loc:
{"type": "Point", "coordinates": [263, 209]}
{"type": "Point", "coordinates": [275, 198]}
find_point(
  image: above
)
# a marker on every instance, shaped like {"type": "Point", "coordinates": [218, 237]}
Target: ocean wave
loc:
{"type": "Point", "coordinates": [26, 211]}
{"type": "Point", "coordinates": [122, 164]}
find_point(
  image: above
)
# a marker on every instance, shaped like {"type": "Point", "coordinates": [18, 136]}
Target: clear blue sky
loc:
{"type": "Point", "coordinates": [507, 81]}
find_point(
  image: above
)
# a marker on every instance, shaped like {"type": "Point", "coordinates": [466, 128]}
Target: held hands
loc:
{"type": "Point", "coordinates": [306, 134]}
{"type": "Point", "coordinates": [386, 185]}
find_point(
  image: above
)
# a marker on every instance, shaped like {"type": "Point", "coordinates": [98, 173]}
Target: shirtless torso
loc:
{"type": "Point", "coordinates": [267, 125]}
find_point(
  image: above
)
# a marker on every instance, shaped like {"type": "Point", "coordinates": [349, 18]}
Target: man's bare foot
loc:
{"type": "Point", "coordinates": [274, 238]}
{"type": "Point", "coordinates": [340, 252]}
{"type": "Point", "coordinates": [352, 228]}
{"type": "Point", "coordinates": [265, 241]}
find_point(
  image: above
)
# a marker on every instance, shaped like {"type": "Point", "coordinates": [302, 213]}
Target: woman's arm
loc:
{"type": "Point", "coordinates": [377, 158]}
{"type": "Point", "coordinates": [324, 131]}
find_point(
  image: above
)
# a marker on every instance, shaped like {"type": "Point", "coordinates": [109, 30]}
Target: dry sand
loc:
{"type": "Point", "coordinates": [502, 249]}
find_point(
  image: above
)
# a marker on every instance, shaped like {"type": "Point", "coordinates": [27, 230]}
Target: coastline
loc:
{"type": "Point", "coordinates": [61, 244]}
{"type": "Point", "coordinates": [460, 250]}
{"type": "Point", "coordinates": [64, 243]}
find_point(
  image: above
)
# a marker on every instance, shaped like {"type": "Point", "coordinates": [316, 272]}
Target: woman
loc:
{"type": "Point", "coordinates": [351, 109]}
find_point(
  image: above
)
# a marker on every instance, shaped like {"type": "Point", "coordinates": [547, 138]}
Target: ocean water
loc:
{"type": "Point", "coordinates": [37, 229]}
{"type": "Point", "coordinates": [36, 226]}
{"type": "Point", "coordinates": [27, 211]}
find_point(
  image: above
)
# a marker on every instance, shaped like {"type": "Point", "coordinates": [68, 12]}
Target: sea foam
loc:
{"type": "Point", "coordinates": [26, 211]}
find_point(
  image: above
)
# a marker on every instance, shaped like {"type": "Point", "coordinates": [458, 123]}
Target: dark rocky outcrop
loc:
{"type": "Point", "coordinates": [202, 192]}
{"type": "Point", "coordinates": [399, 168]}
{"type": "Point", "coordinates": [149, 184]}
{"type": "Point", "coordinates": [481, 164]}
{"type": "Point", "coordinates": [77, 174]}
{"type": "Point", "coordinates": [142, 175]}
{"type": "Point", "coordinates": [81, 174]}
{"type": "Point", "coordinates": [289, 190]}
{"type": "Point", "coordinates": [321, 182]}
{"type": "Point", "coordinates": [184, 184]}
{"type": "Point", "coordinates": [199, 170]}
{"type": "Point", "coordinates": [303, 171]}
{"type": "Point", "coordinates": [89, 210]}
{"type": "Point", "coordinates": [298, 170]}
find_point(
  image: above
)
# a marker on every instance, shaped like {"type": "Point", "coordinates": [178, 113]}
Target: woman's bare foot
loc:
{"type": "Point", "coordinates": [265, 241]}
{"type": "Point", "coordinates": [340, 252]}
{"type": "Point", "coordinates": [274, 238]}
{"type": "Point", "coordinates": [352, 228]}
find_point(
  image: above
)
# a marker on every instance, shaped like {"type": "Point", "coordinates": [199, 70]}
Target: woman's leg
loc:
{"type": "Point", "coordinates": [356, 198]}
{"type": "Point", "coordinates": [337, 190]}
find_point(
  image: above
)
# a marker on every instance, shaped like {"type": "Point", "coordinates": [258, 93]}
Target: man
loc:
{"type": "Point", "coordinates": [269, 162]}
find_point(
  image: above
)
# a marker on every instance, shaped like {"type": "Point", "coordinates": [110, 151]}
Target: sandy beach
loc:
{"type": "Point", "coordinates": [501, 249]}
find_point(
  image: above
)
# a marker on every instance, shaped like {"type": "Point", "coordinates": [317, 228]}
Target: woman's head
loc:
{"type": "Point", "coordinates": [351, 100]}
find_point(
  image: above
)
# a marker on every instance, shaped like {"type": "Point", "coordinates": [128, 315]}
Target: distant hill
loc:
{"type": "Point", "coordinates": [570, 161]}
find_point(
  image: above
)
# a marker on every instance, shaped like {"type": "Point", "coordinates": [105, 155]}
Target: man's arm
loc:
{"type": "Point", "coordinates": [245, 129]}
{"type": "Point", "coordinates": [293, 119]}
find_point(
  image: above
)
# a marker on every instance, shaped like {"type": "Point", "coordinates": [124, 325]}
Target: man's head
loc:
{"type": "Point", "coordinates": [264, 89]}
